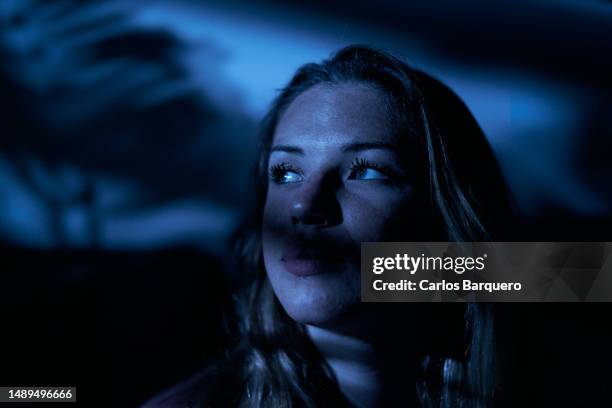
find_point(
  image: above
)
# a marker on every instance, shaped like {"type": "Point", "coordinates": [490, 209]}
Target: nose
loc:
{"type": "Point", "coordinates": [316, 203]}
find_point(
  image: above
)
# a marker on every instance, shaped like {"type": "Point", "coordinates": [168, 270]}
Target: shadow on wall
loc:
{"type": "Point", "coordinates": [109, 155]}
{"type": "Point", "coordinates": [104, 133]}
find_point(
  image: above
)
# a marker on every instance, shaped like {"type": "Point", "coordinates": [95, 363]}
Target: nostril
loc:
{"type": "Point", "coordinates": [315, 219]}
{"type": "Point", "coordinates": [309, 219]}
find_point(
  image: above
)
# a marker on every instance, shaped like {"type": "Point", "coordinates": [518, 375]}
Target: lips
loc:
{"type": "Point", "coordinates": [310, 262]}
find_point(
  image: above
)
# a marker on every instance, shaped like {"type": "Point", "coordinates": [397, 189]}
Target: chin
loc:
{"type": "Point", "coordinates": [319, 299]}
{"type": "Point", "coordinates": [318, 310]}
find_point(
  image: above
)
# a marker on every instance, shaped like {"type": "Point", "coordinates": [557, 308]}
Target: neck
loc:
{"type": "Point", "coordinates": [370, 373]}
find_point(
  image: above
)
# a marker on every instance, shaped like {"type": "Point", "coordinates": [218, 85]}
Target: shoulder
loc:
{"type": "Point", "coordinates": [182, 395]}
{"type": "Point", "coordinates": [215, 386]}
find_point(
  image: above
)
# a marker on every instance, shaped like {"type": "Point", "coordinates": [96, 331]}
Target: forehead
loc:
{"type": "Point", "coordinates": [336, 114]}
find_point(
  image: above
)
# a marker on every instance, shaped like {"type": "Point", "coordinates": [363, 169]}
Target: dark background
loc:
{"type": "Point", "coordinates": [126, 137]}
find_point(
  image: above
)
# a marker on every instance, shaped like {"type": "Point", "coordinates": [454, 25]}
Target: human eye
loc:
{"type": "Point", "coordinates": [363, 169]}
{"type": "Point", "coordinates": [284, 173]}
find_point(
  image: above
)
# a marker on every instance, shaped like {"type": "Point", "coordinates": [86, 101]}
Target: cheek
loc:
{"type": "Point", "coordinates": [373, 214]}
{"type": "Point", "coordinates": [275, 211]}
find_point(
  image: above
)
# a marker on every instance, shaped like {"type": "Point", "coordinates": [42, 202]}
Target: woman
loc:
{"type": "Point", "coordinates": [359, 148]}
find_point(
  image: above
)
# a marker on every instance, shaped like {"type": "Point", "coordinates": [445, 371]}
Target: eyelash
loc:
{"type": "Point", "coordinates": [277, 171]}
{"type": "Point", "coordinates": [360, 164]}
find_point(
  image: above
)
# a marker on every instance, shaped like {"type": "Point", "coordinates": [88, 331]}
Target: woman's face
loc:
{"type": "Point", "coordinates": [338, 176]}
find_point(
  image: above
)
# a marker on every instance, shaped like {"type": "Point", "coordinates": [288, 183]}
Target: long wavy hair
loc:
{"type": "Point", "coordinates": [275, 363]}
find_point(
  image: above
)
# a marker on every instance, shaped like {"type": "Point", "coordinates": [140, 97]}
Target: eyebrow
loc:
{"type": "Point", "coordinates": [356, 147]}
{"type": "Point", "coordinates": [288, 149]}
{"type": "Point", "coordinates": [351, 147]}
